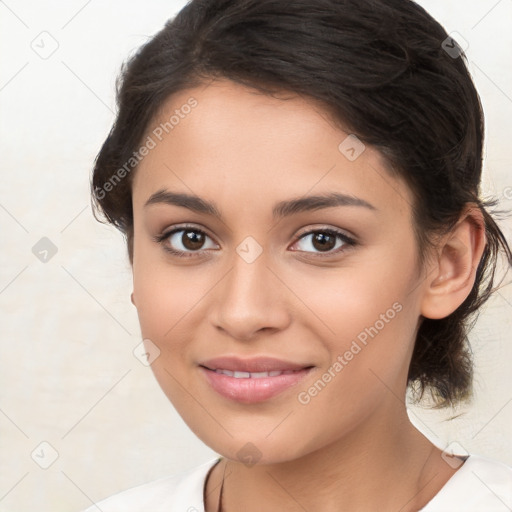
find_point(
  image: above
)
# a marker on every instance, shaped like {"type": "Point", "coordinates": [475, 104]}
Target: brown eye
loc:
{"type": "Point", "coordinates": [185, 241]}
{"type": "Point", "coordinates": [323, 241]}
{"type": "Point", "coordinates": [326, 241]}
{"type": "Point", "coordinates": [192, 240]}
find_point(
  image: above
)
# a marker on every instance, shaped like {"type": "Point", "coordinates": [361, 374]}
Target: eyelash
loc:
{"type": "Point", "coordinates": [161, 238]}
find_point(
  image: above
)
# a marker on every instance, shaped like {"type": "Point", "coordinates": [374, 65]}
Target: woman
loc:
{"type": "Point", "coordinates": [298, 183]}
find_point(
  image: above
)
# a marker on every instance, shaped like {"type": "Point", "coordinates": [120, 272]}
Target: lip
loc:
{"type": "Point", "coordinates": [253, 364]}
{"type": "Point", "coordinates": [251, 389]}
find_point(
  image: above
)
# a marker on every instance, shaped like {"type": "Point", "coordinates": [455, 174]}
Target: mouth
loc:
{"type": "Point", "coordinates": [253, 375]}
{"type": "Point", "coordinates": [252, 380]}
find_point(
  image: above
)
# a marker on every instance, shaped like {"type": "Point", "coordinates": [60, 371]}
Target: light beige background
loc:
{"type": "Point", "coordinates": [68, 329]}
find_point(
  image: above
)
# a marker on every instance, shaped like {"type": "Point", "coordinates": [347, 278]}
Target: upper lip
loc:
{"type": "Point", "coordinates": [254, 364]}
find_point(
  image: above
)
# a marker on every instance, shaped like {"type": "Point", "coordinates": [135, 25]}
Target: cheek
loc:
{"type": "Point", "coordinates": [368, 368]}
{"type": "Point", "coordinates": [165, 303]}
{"type": "Point", "coordinates": [166, 295]}
{"type": "Point", "coordinates": [366, 320]}
{"type": "Point", "coordinates": [172, 307]}
{"type": "Point", "coordinates": [348, 303]}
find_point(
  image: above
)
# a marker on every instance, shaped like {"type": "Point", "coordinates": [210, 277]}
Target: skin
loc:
{"type": "Point", "coordinates": [353, 443]}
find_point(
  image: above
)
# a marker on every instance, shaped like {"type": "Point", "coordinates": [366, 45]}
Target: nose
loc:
{"type": "Point", "coordinates": [250, 301]}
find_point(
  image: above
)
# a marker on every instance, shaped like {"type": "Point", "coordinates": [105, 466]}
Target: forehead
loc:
{"type": "Point", "coordinates": [237, 142]}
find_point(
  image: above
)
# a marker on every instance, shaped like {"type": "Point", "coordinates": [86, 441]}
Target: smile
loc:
{"type": "Point", "coordinates": [254, 375]}
{"type": "Point", "coordinates": [249, 388]}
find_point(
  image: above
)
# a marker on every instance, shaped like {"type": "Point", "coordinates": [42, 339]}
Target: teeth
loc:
{"type": "Point", "coordinates": [226, 372]}
{"type": "Point", "coordinates": [252, 375]}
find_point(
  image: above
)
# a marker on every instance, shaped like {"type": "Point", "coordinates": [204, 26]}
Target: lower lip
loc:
{"type": "Point", "coordinates": [249, 390]}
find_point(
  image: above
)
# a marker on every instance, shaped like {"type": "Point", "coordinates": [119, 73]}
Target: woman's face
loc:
{"type": "Point", "coordinates": [264, 273]}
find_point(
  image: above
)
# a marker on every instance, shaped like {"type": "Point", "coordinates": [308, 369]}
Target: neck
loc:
{"type": "Point", "coordinates": [382, 467]}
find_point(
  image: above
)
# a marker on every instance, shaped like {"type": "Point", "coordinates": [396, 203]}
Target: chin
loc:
{"type": "Point", "coordinates": [254, 447]}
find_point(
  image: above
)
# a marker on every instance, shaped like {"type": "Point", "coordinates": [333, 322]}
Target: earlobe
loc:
{"type": "Point", "coordinates": [453, 274]}
{"type": "Point", "coordinates": [132, 299]}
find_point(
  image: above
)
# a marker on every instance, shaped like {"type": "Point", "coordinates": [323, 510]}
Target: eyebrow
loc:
{"type": "Point", "coordinates": [280, 210]}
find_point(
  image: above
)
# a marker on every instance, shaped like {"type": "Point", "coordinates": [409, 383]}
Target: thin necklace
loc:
{"type": "Point", "coordinates": [219, 506]}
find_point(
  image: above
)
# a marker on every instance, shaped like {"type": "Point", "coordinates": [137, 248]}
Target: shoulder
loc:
{"type": "Point", "coordinates": [479, 485]}
{"type": "Point", "coordinates": [183, 492]}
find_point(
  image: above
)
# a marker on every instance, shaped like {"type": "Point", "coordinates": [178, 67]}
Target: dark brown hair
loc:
{"type": "Point", "coordinates": [385, 70]}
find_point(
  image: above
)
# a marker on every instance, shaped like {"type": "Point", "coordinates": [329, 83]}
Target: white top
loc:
{"type": "Point", "coordinates": [479, 485]}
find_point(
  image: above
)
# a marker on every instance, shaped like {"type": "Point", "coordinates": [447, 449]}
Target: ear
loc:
{"type": "Point", "coordinates": [133, 300]}
{"type": "Point", "coordinates": [452, 275]}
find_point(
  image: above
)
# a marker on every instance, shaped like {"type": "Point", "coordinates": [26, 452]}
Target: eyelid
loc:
{"type": "Point", "coordinates": [325, 228]}
{"type": "Point", "coordinates": [348, 240]}
{"type": "Point", "coordinates": [166, 233]}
